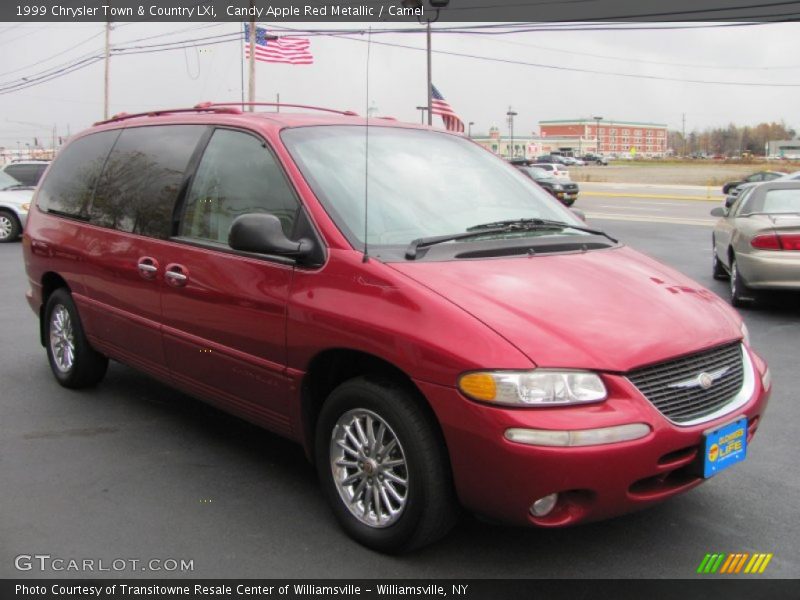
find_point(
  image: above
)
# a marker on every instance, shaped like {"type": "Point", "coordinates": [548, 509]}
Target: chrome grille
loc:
{"type": "Point", "coordinates": [683, 404]}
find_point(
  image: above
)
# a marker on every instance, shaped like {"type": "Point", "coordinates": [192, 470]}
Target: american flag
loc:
{"type": "Point", "coordinates": [269, 48]}
{"type": "Point", "coordinates": [441, 107]}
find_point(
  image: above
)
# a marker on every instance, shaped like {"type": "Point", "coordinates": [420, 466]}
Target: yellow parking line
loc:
{"type": "Point", "coordinates": [653, 196]}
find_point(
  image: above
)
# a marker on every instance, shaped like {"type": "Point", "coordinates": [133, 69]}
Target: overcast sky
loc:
{"type": "Point", "coordinates": [480, 91]}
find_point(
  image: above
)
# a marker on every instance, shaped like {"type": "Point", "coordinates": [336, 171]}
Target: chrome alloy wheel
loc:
{"type": "Point", "coordinates": [6, 226]}
{"type": "Point", "coordinates": [62, 338]}
{"type": "Point", "coordinates": [369, 468]}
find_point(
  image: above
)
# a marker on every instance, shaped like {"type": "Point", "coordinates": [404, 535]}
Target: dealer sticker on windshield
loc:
{"type": "Point", "coordinates": [725, 446]}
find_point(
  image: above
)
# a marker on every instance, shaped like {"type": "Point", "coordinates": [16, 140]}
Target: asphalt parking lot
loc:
{"type": "Point", "coordinates": [136, 470]}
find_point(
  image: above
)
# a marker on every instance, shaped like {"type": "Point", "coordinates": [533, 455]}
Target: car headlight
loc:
{"type": "Point", "coordinates": [540, 387]}
{"type": "Point", "coordinates": [558, 186]}
{"type": "Point", "coordinates": [745, 334]}
{"type": "Point", "coordinates": [25, 207]}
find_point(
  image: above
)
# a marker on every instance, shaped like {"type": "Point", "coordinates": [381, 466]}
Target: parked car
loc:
{"type": "Point", "coordinates": [472, 342]}
{"type": "Point", "coordinates": [550, 159]}
{"type": "Point", "coordinates": [564, 191]}
{"type": "Point", "coordinates": [15, 199]}
{"type": "Point", "coordinates": [757, 241]}
{"type": "Point", "coordinates": [555, 170]}
{"type": "Point", "coordinates": [595, 159]}
{"type": "Point", "coordinates": [757, 177]}
{"type": "Point", "coordinates": [572, 161]}
{"type": "Point", "coordinates": [736, 191]}
{"type": "Point", "coordinates": [27, 172]}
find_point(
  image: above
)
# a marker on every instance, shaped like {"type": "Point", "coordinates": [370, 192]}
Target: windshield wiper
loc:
{"type": "Point", "coordinates": [536, 223]}
{"type": "Point", "coordinates": [509, 226]}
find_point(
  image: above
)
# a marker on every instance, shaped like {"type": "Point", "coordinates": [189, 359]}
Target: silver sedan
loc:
{"type": "Point", "coordinates": [757, 241]}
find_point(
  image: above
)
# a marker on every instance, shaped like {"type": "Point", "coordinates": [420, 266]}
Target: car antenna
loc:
{"type": "Point", "coordinates": [366, 155]}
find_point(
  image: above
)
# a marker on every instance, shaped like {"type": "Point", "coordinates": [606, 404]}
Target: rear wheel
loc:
{"type": "Point", "coordinates": [75, 364]}
{"type": "Point", "coordinates": [9, 227]}
{"type": "Point", "coordinates": [741, 294]}
{"type": "Point", "coordinates": [383, 466]}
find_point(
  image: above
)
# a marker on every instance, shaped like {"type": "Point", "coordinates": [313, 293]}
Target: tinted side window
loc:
{"type": "Point", "coordinates": [237, 175]}
{"type": "Point", "coordinates": [71, 181]}
{"type": "Point", "coordinates": [142, 176]}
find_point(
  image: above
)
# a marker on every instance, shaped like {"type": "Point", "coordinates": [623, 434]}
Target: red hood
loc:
{"type": "Point", "coordinates": [608, 310]}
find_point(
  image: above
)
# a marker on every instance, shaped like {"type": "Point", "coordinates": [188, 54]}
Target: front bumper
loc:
{"type": "Point", "coordinates": [501, 479]}
{"type": "Point", "coordinates": [768, 269]}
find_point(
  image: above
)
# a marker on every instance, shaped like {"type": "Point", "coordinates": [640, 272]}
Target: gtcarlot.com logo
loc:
{"type": "Point", "coordinates": [735, 563]}
{"type": "Point", "coordinates": [46, 562]}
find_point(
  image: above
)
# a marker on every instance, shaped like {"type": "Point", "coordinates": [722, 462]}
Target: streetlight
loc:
{"type": "Point", "coordinates": [469, 131]}
{"type": "Point", "coordinates": [422, 110]}
{"type": "Point", "coordinates": [511, 114]}
{"type": "Point", "coordinates": [597, 132]}
{"type": "Point", "coordinates": [436, 5]}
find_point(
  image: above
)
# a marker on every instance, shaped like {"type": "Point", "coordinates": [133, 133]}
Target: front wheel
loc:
{"type": "Point", "coordinates": [75, 364]}
{"type": "Point", "coordinates": [741, 294]}
{"type": "Point", "coordinates": [717, 268]}
{"type": "Point", "coordinates": [9, 227]}
{"type": "Point", "coordinates": [383, 466]}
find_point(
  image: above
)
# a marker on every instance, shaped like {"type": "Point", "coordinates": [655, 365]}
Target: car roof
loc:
{"type": "Point", "coordinates": [226, 114]}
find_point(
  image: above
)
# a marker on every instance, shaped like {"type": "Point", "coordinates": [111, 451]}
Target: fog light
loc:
{"type": "Point", "coordinates": [543, 506]}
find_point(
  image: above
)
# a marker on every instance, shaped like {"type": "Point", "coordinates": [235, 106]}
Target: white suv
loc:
{"type": "Point", "coordinates": [555, 169]}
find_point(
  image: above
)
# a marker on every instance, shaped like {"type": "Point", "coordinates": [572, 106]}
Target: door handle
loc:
{"type": "Point", "coordinates": [176, 275]}
{"type": "Point", "coordinates": [148, 267]}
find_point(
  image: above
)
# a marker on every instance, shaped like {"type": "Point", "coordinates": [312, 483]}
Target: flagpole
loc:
{"type": "Point", "coordinates": [241, 59]}
{"type": "Point", "coordinates": [430, 79]}
{"type": "Point", "coordinates": [251, 92]}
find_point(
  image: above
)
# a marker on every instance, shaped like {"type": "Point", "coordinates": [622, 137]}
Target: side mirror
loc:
{"type": "Point", "coordinates": [719, 211]}
{"type": "Point", "coordinates": [579, 213]}
{"type": "Point", "coordinates": [262, 233]}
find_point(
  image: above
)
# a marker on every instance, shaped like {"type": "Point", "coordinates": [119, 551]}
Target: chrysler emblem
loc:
{"type": "Point", "coordinates": [702, 380]}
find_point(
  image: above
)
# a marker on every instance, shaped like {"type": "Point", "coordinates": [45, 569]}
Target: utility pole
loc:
{"type": "Point", "coordinates": [108, 57]}
{"type": "Point", "coordinates": [683, 133]}
{"type": "Point", "coordinates": [251, 90]}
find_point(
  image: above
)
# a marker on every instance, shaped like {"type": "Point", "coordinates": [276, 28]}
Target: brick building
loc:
{"type": "Point", "coordinates": [616, 137]}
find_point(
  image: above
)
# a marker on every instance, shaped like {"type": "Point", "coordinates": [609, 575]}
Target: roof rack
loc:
{"type": "Point", "coordinates": [203, 107]}
{"type": "Point", "coordinates": [347, 113]}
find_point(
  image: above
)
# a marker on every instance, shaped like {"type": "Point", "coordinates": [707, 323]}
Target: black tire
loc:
{"type": "Point", "coordinates": [717, 268]}
{"type": "Point", "coordinates": [87, 367]}
{"type": "Point", "coordinates": [10, 228]}
{"type": "Point", "coordinates": [741, 294]}
{"type": "Point", "coordinates": [429, 509]}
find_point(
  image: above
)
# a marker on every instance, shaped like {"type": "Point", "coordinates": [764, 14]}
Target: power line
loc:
{"type": "Point", "coordinates": [563, 68]}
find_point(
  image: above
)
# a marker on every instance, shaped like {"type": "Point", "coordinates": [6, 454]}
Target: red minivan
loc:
{"type": "Point", "coordinates": [426, 321]}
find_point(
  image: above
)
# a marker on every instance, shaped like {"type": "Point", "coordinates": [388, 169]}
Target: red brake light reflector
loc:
{"type": "Point", "coordinates": [776, 241]}
{"type": "Point", "coordinates": [790, 241]}
{"type": "Point", "coordinates": [766, 241]}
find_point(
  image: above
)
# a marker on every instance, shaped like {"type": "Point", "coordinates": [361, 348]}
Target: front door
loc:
{"type": "Point", "coordinates": [225, 312]}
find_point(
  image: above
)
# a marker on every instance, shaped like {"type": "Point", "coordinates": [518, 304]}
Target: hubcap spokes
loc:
{"type": "Point", "coordinates": [5, 227]}
{"type": "Point", "coordinates": [369, 468]}
{"type": "Point", "coordinates": [62, 340]}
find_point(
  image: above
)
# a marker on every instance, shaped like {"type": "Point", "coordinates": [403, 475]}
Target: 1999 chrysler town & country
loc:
{"type": "Point", "coordinates": [484, 349]}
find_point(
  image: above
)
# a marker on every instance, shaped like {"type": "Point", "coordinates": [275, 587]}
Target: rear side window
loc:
{"type": "Point", "coordinates": [69, 185]}
{"type": "Point", "coordinates": [236, 176]}
{"type": "Point", "coordinates": [142, 177]}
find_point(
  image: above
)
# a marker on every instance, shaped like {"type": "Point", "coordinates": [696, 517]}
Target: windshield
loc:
{"type": "Point", "coordinates": [421, 183]}
{"type": "Point", "coordinates": [7, 181]}
{"type": "Point", "coordinates": [776, 202]}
